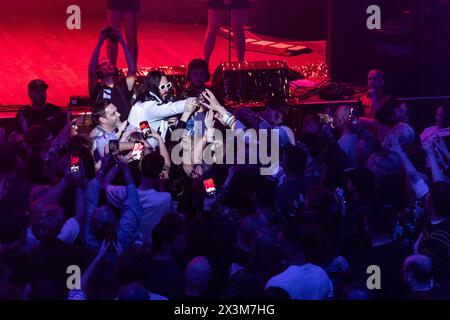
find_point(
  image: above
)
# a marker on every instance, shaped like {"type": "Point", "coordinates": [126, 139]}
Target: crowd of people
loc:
{"type": "Point", "coordinates": [358, 188]}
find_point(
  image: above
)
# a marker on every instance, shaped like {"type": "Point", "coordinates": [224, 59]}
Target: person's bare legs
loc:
{"type": "Point", "coordinates": [215, 18]}
{"type": "Point", "coordinates": [131, 33]}
{"type": "Point", "coordinates": [238, 19]}
{"type": "Point", "coordinates": [114, 19]}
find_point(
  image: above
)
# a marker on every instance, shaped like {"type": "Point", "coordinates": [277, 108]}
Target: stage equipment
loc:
{"type": "Point", "coordinates": [249, 82]}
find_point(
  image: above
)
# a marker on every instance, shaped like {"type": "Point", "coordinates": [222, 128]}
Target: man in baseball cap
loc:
{"type": "Point", "coordinates": [37, 83]}
{"type": "Point", "coordinates": [39, 112]}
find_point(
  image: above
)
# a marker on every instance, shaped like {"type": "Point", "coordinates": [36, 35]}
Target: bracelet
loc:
{"type": "Point", "coordinates": [226, 117]}
{"type": "Point", "coordinates": [230, 121]}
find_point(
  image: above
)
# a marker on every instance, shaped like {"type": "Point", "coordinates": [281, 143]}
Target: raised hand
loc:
{"type": "Point", "coordinates": [191, 106]}
{"type": "Point", "coordinates": [213, 103]}
{"type": "Point", "coordinates": [428, 147]}
{"type": "Point", "coordinates": [122, 161]}
{"type": "Point", "coordinates": [104, 33]}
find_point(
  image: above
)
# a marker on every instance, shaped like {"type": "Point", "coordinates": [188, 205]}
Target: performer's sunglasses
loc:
{"type": "Point", "coordinates": [167, 85]}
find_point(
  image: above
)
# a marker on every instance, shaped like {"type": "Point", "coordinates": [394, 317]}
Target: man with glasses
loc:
{"type": "Point", "coordinates": [155, 105]}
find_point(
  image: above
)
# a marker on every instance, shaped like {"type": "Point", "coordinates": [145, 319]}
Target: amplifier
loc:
{"type": "Point", "coordinates": [249, 82]}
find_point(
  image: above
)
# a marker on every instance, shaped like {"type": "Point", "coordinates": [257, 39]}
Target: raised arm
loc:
{"type": "Point", "coordinates": [92, 69]}
{"type": "Point", "coordinates": [131, 211]}
{"type": "Point", "coordinates": [221, 114]}
{"type": "Point", "coordinates": [436, 173]}
{"type": "Point", "coordinates": [160, 112]}
{"type": "Point", "coordinates": [85, 277]}
{"type": "Point", "coordinates": [54, 194]}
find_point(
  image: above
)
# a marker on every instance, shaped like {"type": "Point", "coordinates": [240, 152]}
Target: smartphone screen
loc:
{"type": "Point", "coordinates": [209, 187]}
{"type": "Point", "coordinates": [138, 149]}
{"type": "Point", "coordinates": [145, 128]}
{"type": "Point", "coordinates": [114, 147]}
{"type": "Point", "coordinates": [74, 164]}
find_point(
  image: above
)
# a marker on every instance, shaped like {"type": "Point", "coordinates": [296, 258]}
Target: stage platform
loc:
{"type": "Point", "coordinates": [44, 48]}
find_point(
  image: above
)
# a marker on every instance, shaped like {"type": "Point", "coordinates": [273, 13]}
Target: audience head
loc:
{"type": "Point", "coordinates": [342, 118]}
{"type": "Point", "coordinates": [405, 134]}
{"type": "Point", "coordinates": [104, 224]}
{"type": "Point", "coordinates": [105, 68]}
{"type": "Point", "coordinates": [401, 113]}
{"type": "Point", "coordinates": [105, 115]}
{"type": "Point", "coordinates": [247, 228]}
{"type": "Point", "coordinates": [133, 292]}
{"type": "Point", "coordinates": [366, 145]}
{"type": "Point", "coordinates": [418, 272]}
{"type": "Point", "coordinates": [311, 124]}
{"type": "Point", "coordinates": [133, 265]}
{"type": "Point", "coordinates": [375, 80]}
{"type": "Point", "coordinates": [197, 276]}
{"type": "Point", "coordinates": [442, 117]}
{"type": "Point", "coordinates": [392, 113]}
{"type": "Point", "coordinates": [156, 86]}
{"type": "Point", "coordinates": [355, 292]}
{"type": "Point", "coordinates": [382, 164]}
{"type": "Point", "coordinates": [264, 257]}
{"type": "Point", "coordinates": [198, 73]}
{"type": "Point", "coordinates": [167, 235]}
{"type": "Point", "coordinates": [46, 222]}
{"type": "Point", "coordinates": [291, 242]}
{"type": "Point", "coordinates": [152, 165]}
{"type": "Point", "coordinates": [37, 91]}
{"type": "Point", "coordinates": [274, 112]}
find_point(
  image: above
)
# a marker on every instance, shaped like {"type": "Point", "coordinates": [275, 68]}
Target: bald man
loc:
{"type": "Point", "coordinates": [376, 97]}
{"type": "Point", "coordinates": [418, 276]}
{"type": "Point", "coordinates": [197, 277]}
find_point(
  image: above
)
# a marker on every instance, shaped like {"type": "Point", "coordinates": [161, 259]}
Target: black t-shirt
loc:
{"type": "Point", "coordinates": [120, 96]}
{"type": "Point", "coordinates": [435, 244]}
{"type": "Point", "coordinates": [38, 117]}
{"type": "Point", "coordinates": [389, 257]}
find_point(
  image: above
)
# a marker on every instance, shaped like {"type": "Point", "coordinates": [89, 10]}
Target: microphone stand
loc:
{"type": "Point", "coordinates": [229, 33]}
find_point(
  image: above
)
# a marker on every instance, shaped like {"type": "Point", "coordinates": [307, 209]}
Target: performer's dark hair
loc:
{"type": "Point", "coordinates": [150, 84]}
